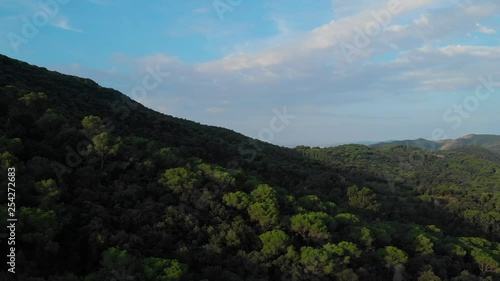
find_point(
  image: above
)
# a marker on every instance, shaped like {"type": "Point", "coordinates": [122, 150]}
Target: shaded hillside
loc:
{"type": "Point", "coordinates": [74, 98]}
{"type": "Point", "coordinates": [410, 167]}
{"type": "Point", "coordinates": [106, 189]}
{"type": "Point", "coordinates": [480, 152]}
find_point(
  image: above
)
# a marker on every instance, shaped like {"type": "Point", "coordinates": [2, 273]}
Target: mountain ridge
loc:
{"type": "Point", "coordinates": [488, 141]}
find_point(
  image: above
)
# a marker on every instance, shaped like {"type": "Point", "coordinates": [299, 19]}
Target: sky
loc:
{"type": "Point", "coordinates": [287, 72]}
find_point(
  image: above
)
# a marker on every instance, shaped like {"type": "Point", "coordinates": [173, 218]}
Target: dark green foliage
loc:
{"type": "Point", "coordinates": [428, 276]}
{"type": "Point", "coordinates": [265, 213]}
{"type": "Point", "coordinates": [157, 269]}
{"type": "Point", "coordinates": [239, 200]}
{"type": "Point", "coordinates": [313, 226]}
{"type": "Point", "coordinates": [178, 179]}
{"type": "Point", "coordinates": [316, 261]}
{"type": "Point", "coordinates": [392, 257]}
{"type": "Point", "coordinates": [274, 242]}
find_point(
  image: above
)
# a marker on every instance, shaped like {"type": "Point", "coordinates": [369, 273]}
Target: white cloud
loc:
{"type": "Point", "coordinates": [309, 70]}
{"type": "Point", "coordinates": [485, 29]}
{"type": "Point", "coordinates": [476, 51]}
{"type": "Point", "coordinates": [396, 28]}
{"type": "Point", "coordinates": [314, 61]}
{"type": "Point", "coordinates": [423, 20]}
{"type": "Point", "coordinates": [63, 23]}
{"type": "Point", "coordinates": [282, 26]}
{"type": "Point", "coordinates": [303, 45]}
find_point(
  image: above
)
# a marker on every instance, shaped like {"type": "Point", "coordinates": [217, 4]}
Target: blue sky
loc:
{"type": "Point", "coordinates": [302, 72]}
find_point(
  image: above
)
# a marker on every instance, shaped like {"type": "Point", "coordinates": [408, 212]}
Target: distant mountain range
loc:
{"type": "Point", "coordinates": [367, 143]}
{"type": "Point", "coordinates": [490, 142]}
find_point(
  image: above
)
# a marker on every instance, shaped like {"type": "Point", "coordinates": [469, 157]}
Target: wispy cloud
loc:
{"type": "Point", "coordinates": [63, 23]}
{"type": "Point", "coordinates": [485, 29]}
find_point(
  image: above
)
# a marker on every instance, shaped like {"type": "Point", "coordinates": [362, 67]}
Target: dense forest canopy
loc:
{"type": "Point", "coordinates": [110, 190]}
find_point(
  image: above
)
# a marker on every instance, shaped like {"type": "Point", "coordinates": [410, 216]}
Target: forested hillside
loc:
{"type": "Point", "coordinates": [107, 189]}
